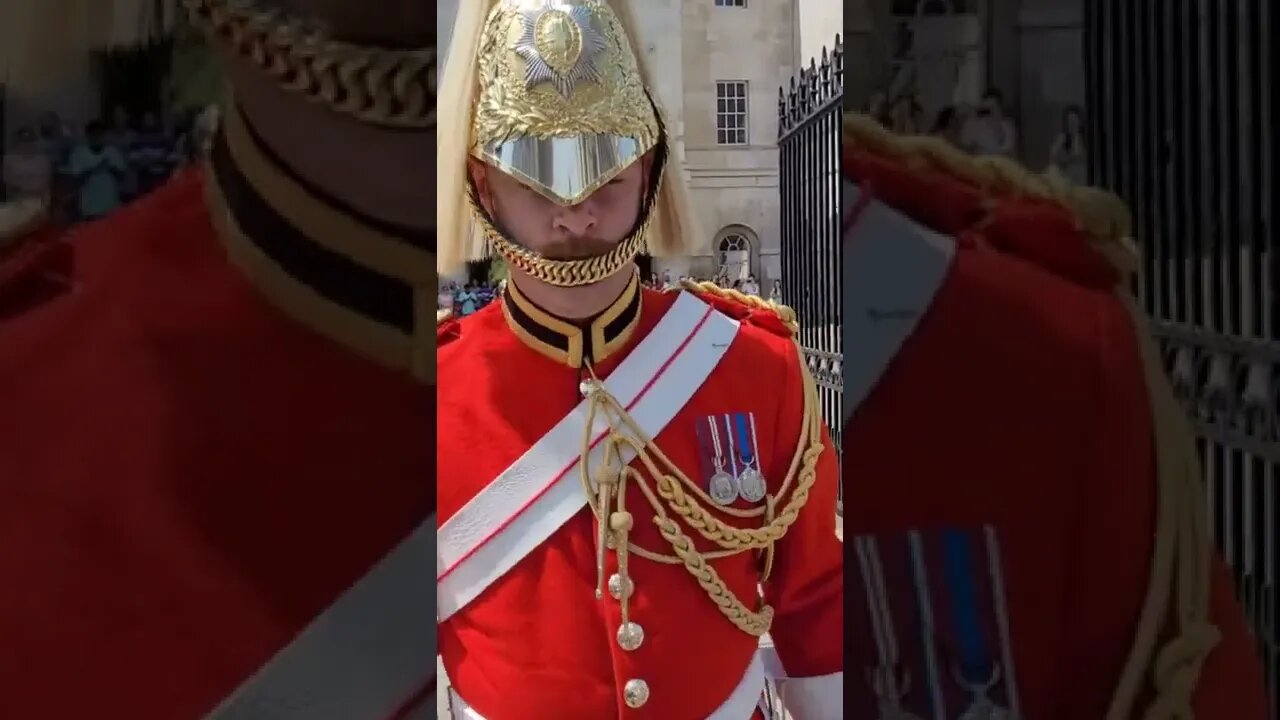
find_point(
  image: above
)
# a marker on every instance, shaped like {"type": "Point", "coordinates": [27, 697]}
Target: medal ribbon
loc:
{"type": "Point", "coordinates": [880, 616]}
{"type": "Point", "coordinates": [733, 456]}
{"type": "Point", "coordinates": [965, 617]}
{"type": "Point", "coordinates": [927, 626]}
{"type": "Point", "coordinates": [715, 443]}
{"type": "Point", "coordinates": [745, 447]}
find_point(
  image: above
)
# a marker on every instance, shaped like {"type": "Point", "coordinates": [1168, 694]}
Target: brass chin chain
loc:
{"type": "Point", "coordinates": [566, 273]}
{"type": "Point", "coordinates": [569, 273]}
{"type": "Point", "coordinates": [676, 496]}
{"type": "Point", "coordinates": [391, 88]}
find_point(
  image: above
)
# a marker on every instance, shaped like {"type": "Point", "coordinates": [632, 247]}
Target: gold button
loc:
{"type": "Point", "coordinates": [635, 693]}
{"type": "Point", "coordinates": [620, 586]}
{"type": "Point", "coordinates": [621, 522]}
{"type": "Point", "coordinates": [630, 636]}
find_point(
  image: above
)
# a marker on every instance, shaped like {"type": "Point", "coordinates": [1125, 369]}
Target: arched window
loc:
{"type": "Point", "coordinates": [733, 258]}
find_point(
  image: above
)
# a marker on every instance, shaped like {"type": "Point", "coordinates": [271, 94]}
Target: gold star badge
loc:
{"type": "Point", "coordinates": [560, 45]}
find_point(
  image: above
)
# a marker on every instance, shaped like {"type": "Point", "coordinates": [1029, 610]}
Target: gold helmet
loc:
{"type": "Point", "coordinates": [551, 93]}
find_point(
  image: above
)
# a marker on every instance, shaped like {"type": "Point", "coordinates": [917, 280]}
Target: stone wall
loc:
{"type": "Point", "coordinates": [45, 58]}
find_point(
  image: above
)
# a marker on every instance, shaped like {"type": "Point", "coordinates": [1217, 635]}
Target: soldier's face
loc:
{"type": "Point", "coordinates": [590, 228]}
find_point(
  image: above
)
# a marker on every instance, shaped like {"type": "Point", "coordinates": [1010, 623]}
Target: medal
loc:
{"type": "Point", "coordinates": [981, 707]}
{"type": "Point", "coordinates": [889, 693]}
{"type": "Point", "coordinates": [895, 712]}
{"type": "Point", "coordinates": [889, 681]}
{"type": "Point", "coordinates": [752, 483]}
{"type": "Point", "coordinates": [722, 488]}
{"type": "Point", "coordinates": [750, 480]}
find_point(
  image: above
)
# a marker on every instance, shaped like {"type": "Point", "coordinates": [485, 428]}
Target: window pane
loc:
{"type": "Point", "coordinates": [731, 106]}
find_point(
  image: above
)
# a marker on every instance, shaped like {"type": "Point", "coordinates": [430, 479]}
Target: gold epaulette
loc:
{"type": "Point", "coordinates": [1102, 215]}
{"type": "Point", "coordinates": [442, 316]}
{"type": "Point", "coordinates": [717, 295]}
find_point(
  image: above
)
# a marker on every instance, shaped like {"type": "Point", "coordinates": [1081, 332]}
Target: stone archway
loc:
{"type": "Point", "coordinates": [736, 250]}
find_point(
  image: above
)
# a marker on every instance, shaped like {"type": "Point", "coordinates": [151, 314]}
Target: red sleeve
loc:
{"type": "Point", "coordinates": [1114, 544]}
{"type": "Point", "coordinates": [806, 587]}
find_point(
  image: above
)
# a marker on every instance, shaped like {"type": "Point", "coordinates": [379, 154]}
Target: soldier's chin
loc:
{"type": "Point", "coordinates": [578, 250]}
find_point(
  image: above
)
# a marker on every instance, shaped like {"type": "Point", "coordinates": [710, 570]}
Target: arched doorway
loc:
{"type": "Point", "coordinates": [734, 254]}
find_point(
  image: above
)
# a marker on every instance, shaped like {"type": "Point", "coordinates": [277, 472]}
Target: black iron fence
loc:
{"type": "Point", "coordinates": [809, 181]}
{"type": "Point", "coordinates": [1181, 124]}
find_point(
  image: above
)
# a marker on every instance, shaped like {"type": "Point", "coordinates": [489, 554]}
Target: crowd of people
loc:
{"type": "Point", "coordinates": [984, 129]}
{"type": "Point", "coordinates": [466, 298]}
{"type": "Point", "coordinates": [89, 174]}
{"type": "Point", "coordinates": [746, 286]}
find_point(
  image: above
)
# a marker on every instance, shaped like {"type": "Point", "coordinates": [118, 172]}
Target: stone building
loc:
{"type": "Point", "coordinates": [951, 51]}
{"type": "Point", "coordinates": [718, 66]}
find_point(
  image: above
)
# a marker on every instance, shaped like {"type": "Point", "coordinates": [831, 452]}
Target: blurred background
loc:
{"type": "Point", "coordinates": [134, 67]}
{"type": "Point", "coordinates": [1168, 103]}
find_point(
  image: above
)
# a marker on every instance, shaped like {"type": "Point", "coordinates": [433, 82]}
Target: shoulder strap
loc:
{"type": "Point", "coordinates": [369, 655]}
{"type": "Point", "coordinates": [893, 267]}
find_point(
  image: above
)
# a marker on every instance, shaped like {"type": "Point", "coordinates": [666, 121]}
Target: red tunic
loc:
{"type": "Point", "coordinates": [187, 476]}
{"type": "Point", "coordinates": [1004, 467]}
{"type": "Point", "coordinates": [537, 643]}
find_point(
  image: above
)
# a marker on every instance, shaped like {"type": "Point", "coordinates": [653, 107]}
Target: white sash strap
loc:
{"type": "Point", "coordinates": [893, 267]}
{"type": "Point", "coordinates": [540, 492]}
{"type": "Point", "coordinates": [364, 657]}
{"type": "Point", "coordinates": [740, 704]}
{"type": "Point", "coordinates": [813, 698]}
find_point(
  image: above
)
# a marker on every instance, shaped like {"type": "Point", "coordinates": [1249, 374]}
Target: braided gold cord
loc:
{"type": "Point", "coordinates": [751, 623]}
{"type": "Point", "coordinates": [568, 273]}
{"type": "Point", "coordinates": [671, 499]}
{"type": "Point", "coordinates": [392, 88]}
{"type": "Point", "coordinates": [786, 314]}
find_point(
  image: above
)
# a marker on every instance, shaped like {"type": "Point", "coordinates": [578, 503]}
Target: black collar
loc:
{"type": "Point", "coordinates": [570, 343]}
{"type": "Point", "coordinates": [366, 284]}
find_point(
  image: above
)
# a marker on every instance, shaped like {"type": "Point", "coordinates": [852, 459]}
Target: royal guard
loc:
{"type": "Point", "coordinates": [1027, 519]}
{"type": "Point", "coordinates": [637, 496]}
{"type": "Point", "coordinates": [216, 468]}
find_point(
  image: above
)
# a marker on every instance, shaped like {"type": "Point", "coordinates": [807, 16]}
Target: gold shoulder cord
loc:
{"type": "Point", "coordinates": [672, 495]}
{"type": "Point", "coordinates": [1180, 564]}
